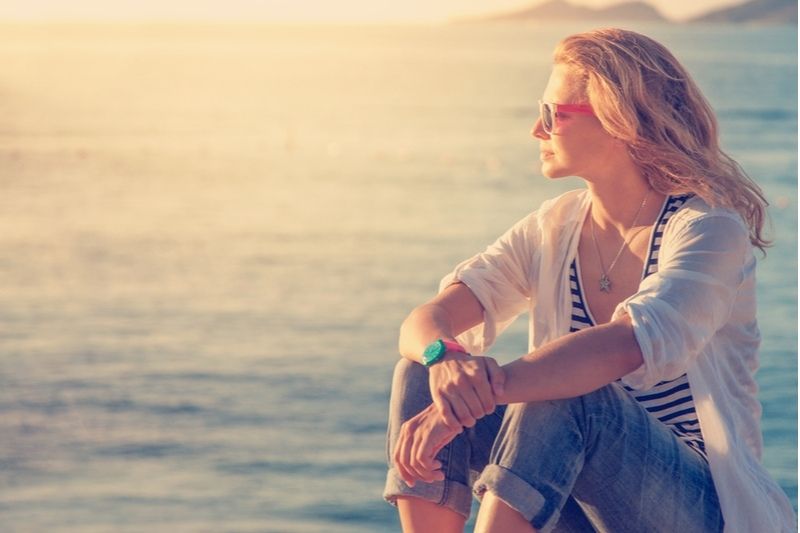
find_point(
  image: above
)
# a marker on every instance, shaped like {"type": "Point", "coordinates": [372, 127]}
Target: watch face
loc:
{"type": "Point", "coordinates": [433, 352]}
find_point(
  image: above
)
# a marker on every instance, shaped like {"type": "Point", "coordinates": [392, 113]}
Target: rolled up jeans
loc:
{"type": "Point", "coordinates": [599, 461]}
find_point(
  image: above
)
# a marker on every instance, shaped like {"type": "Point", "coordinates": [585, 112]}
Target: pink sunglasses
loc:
{"type": "Point", "coordinates": [548, 112]}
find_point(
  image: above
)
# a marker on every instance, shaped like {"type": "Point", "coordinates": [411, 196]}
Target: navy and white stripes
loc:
{"type": "Point", "coordinates": [580, 317]}
{"type": "Point", "coordinates": [672, 204]}
{"type": "Point", "coordinates": [670, 402]}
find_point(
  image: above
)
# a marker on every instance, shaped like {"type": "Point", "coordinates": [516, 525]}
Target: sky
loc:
{"type": "Point", "coordinates": [335, 11]}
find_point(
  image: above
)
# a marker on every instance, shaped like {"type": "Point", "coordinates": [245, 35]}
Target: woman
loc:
{"type": "Point", "coordinates": [636, 408]}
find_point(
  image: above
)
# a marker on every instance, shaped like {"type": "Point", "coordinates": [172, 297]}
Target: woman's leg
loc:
{"type": "Point", "coordinates": [497, 517]}
{"type": "Point", "coordinates": [421, 516]}
{"type": "Point", "coordinates": [442, 505]}
{"type": "Point", "coordinates": [626, 470]}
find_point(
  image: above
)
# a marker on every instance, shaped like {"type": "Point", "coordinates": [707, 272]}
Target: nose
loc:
{"type": "Point", "coordinates": [538, 131]}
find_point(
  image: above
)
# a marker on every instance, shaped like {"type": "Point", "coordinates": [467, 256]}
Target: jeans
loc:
{"type": "Point", "coordinates": [596, 462]}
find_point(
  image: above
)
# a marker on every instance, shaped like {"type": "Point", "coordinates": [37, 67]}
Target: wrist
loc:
{"type": "Point", "coordinates": [438, 349]}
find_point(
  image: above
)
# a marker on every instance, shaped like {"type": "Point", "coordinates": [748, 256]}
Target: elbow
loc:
{"type": "Point", "coordinates": [402, 340]}
{"type": "Point", "coordinates": [424, 324]}
{"type": "Point", "coordinates": [633, 360]}
{"type": "Point", "coordinates": [406, 339]}
{"type": "Point", "coordinates": [629, 350]}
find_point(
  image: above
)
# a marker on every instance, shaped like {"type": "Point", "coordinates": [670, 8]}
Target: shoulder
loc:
{"type": "Point", "coordinates": [696, 224]}
{"type": "Point", "coordinates": [545, 225]}
{"type": "Point", "coordinates": [695, 211]}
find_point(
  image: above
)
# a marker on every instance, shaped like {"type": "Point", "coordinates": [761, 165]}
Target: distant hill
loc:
{"type": "Point", "coordinates": [563, 10]}
{"type": "Point", "coordinates": [754, 11]}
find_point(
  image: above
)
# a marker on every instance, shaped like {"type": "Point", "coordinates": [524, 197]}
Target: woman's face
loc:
{"type": "Point", "coordinates": [578, 145]}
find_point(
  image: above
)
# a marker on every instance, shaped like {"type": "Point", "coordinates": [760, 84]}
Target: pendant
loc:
{"type": "Point", "coordinates": [605, 283]}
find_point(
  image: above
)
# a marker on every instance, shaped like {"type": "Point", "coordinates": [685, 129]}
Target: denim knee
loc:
{"type": "Point", "coordinates": [410, 395]}
{"type": "Point", "coordinates": [606, 451]}
{"type": "Point", "coordinates": [536, 458]}
{"type": "Point", "coordinates": [410, 391]}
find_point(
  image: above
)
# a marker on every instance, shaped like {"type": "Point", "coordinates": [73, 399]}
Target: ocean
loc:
{"type": "Point", "coordinates": [210, 234]}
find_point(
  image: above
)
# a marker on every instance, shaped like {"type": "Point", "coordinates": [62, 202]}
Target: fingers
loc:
{"type": "Point", "coordinates": [414, 455]}
{"type": "Point", "coordinates": [497, 377]}
{"type": "Point", "coordinates": [402, 454]}
{"type": "Point", "coordinates": [423, 461]}
{"type": "Point", "coordinates": [483, 391]}
{"type": "Point", "coordinates": [476, 389]}
{"type": "Point", "coordinates": [464, 402]}
{"type": "Point", "coordinates": [463, 413]}
{"type": "Point", "coordinates": [446, 410]}
{"type": "Point", "coordinates": [466, 390]}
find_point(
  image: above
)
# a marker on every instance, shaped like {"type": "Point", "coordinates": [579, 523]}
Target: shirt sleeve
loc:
{"type": "Point", "coordinates": [679, 308]}
{"type": "Point", "coordinates": [499, 278]}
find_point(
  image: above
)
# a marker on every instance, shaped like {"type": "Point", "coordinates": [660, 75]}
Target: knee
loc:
{"type": "Point", "coordinates": [568, 412]}
{"type": "Point", "coordinates": [408, 373]}
{"type": "Point", "coordinates": [540, 432]}
{"type": "Point", "coordinates": [531, 417]}
{"type": "Point", "coordinates": [410, 389]}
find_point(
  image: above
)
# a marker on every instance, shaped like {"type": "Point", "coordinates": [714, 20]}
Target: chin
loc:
{"type": "Point", "coordinates": [553, 173]}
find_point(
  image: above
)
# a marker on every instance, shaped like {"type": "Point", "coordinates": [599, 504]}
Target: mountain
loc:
{"type": "Point", "coordinates": [563, 10]}
{"type": "Point", "coordinates": [754, 11]}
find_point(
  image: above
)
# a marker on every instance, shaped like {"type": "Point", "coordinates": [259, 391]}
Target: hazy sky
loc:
{"type": "Point", "coordinates": [299, 10]}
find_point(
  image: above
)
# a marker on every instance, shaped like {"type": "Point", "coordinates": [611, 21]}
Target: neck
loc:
{"type": "Point", "coordinates": [615, 203]}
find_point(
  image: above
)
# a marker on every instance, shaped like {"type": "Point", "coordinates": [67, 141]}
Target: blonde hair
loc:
{"type": "Point", "coordinates": [642, 95]}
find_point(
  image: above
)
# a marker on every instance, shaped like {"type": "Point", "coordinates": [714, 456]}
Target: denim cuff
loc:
{"type": "Point", "coordinates": [449, 493]}
{"type": "Point", "coordinates": [519, 495]}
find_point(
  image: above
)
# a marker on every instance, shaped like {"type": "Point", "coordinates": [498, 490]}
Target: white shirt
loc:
{"type": "Point", "coordinates": [695, 315]}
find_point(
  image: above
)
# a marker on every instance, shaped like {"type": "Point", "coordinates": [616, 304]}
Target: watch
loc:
{"type": "Point", "coordinates": [436, 350]}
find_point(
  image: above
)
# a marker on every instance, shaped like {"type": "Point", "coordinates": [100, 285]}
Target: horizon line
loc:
{"type": "Point", "coordinates": [251, 21]}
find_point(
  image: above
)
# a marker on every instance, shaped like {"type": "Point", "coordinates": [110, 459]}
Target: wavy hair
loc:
{"type": "Point", "coordinates": [643, 96]}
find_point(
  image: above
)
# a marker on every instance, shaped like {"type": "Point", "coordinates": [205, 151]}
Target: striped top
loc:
{"type": "Point", "coordinates": [670, 402]}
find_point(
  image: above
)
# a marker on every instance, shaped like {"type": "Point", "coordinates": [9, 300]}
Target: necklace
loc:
{"type": "Point", "coordinates": [605, 281]}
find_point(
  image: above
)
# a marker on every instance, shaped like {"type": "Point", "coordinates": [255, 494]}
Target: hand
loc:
{"type": "Point", "coordinates": [421, 438]}
{"type": "Point", "coordinates": [464, 388]}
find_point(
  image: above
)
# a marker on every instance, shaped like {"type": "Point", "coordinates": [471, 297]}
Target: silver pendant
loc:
{"type": "Point", "coordinates": [605, 283]}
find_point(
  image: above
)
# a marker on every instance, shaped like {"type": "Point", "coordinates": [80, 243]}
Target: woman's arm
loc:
{"type": "Point", "coordinates": [463, 387]}
{"type": "Point", "coordinates": [570, 366]}
{"type": "Point", "coordinates": [574, 364]}
{"type": "Point", "coordinates": [446, 315]}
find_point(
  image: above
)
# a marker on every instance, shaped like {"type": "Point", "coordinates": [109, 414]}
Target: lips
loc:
{"type": "Point", "coordinates": [544, 154]}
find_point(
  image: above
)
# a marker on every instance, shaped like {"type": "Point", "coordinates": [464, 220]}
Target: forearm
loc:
{"type": "Point", "coordinates": [449, 313]}
{"type": "Point", "coordinates": [574, 364]}
{"type": "Point", "coordinates": [424, 325]}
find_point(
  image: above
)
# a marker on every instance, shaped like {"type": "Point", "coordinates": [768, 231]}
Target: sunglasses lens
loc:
{"type": "Point", "coordinates": [547, 118]}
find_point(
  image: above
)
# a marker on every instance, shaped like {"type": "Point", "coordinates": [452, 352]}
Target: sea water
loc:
{"type": "Point", "coordinates": [209, 236]}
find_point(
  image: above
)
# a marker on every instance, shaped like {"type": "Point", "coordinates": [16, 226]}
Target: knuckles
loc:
{"type": "Point", "coordinates": [451, 422]}
{"type": "Point", "coordinates": [468, 421]}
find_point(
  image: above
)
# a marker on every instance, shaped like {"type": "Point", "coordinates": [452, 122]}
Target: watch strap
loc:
{"type": "Point", "coordinates": [437, 349]}
{"type": "Point", "coordinates": [453, 346]}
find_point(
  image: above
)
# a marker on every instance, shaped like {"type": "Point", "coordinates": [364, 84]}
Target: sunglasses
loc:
{"type": "Point", "coordinates": [548, 113]}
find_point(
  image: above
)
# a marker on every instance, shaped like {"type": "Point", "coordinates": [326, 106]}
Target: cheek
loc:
{"type": "Point", "coordinates": [584, 149]}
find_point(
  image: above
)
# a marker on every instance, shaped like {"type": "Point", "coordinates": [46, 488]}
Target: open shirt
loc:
{"type": "Point", "coordinates": [695, 315]}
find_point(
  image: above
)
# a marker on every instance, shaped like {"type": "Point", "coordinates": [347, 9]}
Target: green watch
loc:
{"type": "Point", "coordinates": [436, 350]}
